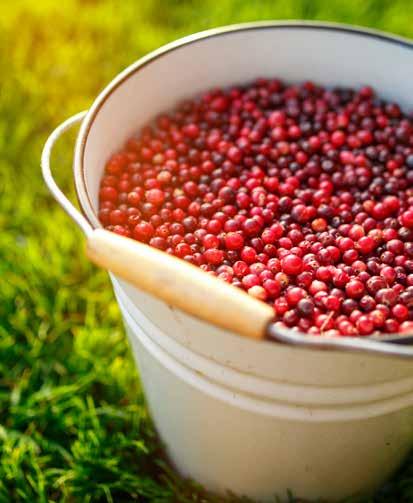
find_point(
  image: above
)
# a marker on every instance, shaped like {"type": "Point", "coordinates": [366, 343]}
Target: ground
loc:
{"type": "Point", "coordinates": [73, 421]}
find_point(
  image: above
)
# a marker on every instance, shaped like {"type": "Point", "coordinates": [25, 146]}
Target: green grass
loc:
{"type": "Point", "coordinates": [73, 421]}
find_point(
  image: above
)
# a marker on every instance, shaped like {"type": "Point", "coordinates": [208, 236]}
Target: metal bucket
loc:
{"type": "Point", "coordinates": [254, 417]}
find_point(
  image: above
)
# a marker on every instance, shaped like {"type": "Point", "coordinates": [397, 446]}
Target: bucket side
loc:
{"type": "Point", "coordinates": [263, 359]}
{"type": "Point", "coordinates": [224, 446]}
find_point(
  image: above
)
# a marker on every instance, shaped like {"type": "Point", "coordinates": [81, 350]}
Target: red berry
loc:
{"type": "Point", "coordinates": [294, 295]}
{"type": "Point", "coordinates": [291, 264]}
{"type": "Point", "coordinates": [388, 274]}
{"type": "Point", "coordinates": [305, 307]}
{"type": "Point", "coordinates": [354, 289]}
{"type": "Point", "coordinates": [214, 256]}
{"type": "Point", "coordinates": [365, 325]}
{"type": "Point", "coordinates": [366, 245]}
{"type": "Point", "coordinates": [210, 241]}
{"type": "Point", "coordinates": [386, 296]}
{"type": "Point", "coordinates": [317, 286]}
{"type": "Point", "coordinates": [182, 250]}
{"type": "Point", "coordinates": [400, 312]}
{"type": "Point", "coordinates": [395, 246]}
{"type": "Point", "coordinates": [250, 280]}
{"type": "Point", "coordinates": [122, 230]}
{"type": "Point", "coordinates": [143, 231]}
{"type": "Point", "coordinates": [240, 268]}
{"type": "Point", "coordinates": [332, 303]}
{"type": "Point", "coordinates": [338, 138]}
{"type": "Point", "coordinates": [406, 218]}
{"type": "Point", "coordinates": [191, 130]}
{"type": "Point", "coordinates": [248, 255]}
{"type": "Point", "coordinates": [280, 306]}
{"type": "Point", "coordinates": [108, 194]}
{"type": "Point", "coordinates": [251, 227]}
{"type": "Point", "coordinates": [391, 326]}
{"type": "Point", "coordinates": [234, 241]}
{"type": "Point", "coordinates": [272, 287]}
{"type": "Point", "coordinates": [118, 217]}
{"type": "Point", "coordinates": [319, 225]}
{"type": "Point", "coordinates": [378, 318]}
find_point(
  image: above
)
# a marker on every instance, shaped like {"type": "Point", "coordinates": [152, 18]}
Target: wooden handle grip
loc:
{"type": "Point", "coordinates": [180, 284]}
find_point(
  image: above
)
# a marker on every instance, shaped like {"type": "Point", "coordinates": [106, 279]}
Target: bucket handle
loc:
{"type": "Point", "coordinates": [64, 202]}
{"type": "Point", "coordinates": [175, 281]}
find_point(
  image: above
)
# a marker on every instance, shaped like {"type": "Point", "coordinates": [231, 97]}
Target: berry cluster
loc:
{"type": "Point", "coordinates": [301, 195]}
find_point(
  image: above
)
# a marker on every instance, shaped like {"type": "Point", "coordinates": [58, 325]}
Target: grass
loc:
{"type": "Point", "coordinates": [73, 421]}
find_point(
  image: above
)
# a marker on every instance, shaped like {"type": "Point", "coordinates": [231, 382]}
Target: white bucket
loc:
{"type": "Point", "coordinates": [255, 417]}
{"type": "Point", "coordinates": [230, 440]}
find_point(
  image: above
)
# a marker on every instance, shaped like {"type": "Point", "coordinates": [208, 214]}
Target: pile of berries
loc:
{"type": "Point", "coordinates": [300, 195]}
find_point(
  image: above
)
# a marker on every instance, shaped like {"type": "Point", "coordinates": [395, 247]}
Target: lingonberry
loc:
{"type": "Point", "coordinates": [108, 193]}
{"type": "Point", "coordinates": [214, 256]}
{"type": "Point", "coordinates": [272, 287]}
{"type": "Point", "coordinates": [386, 296]}
{"type": "Point", "coordinates": [406, 218]}
{"type": "Point", "coordinates": [248, 254]}
{"type": "Point", "coordinates": [300, 195]}
{"type": "Point", "coordinates": [210, 241]}
{"type": "Point", "coordinates": [143, 231]}
{"type": "Point", "coordinates": [280, 306]}
{"type": "Point", "coordinates": [305, 307]}
{"type": "Point", "coordinates": [391, 326]}
{"type": "Point", "coordinates": [332, 303]}
{"type": "Point", "coordinates": [290, 318]}
{"type": "Point", "coordinates": [292, 264]}
{"type": "Point", "coordinates": [366, 245]}
{"type": "Point", "coordinates": [294, 295]}
{"type": "Point", "coordinates": [364, 325]}
{"type": "Point", "coordinates": [240, 268]}
{"type": "Point", "coordinates": [354, 289]}
{"type": "Point", "coordinates": [234, 241]}
{"type": "Point", "coordinates": [367, 303]}
{"type": "Point", "coordinates": [389, 274]}
{"type": "Point", "coordinates": [400, 312]}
